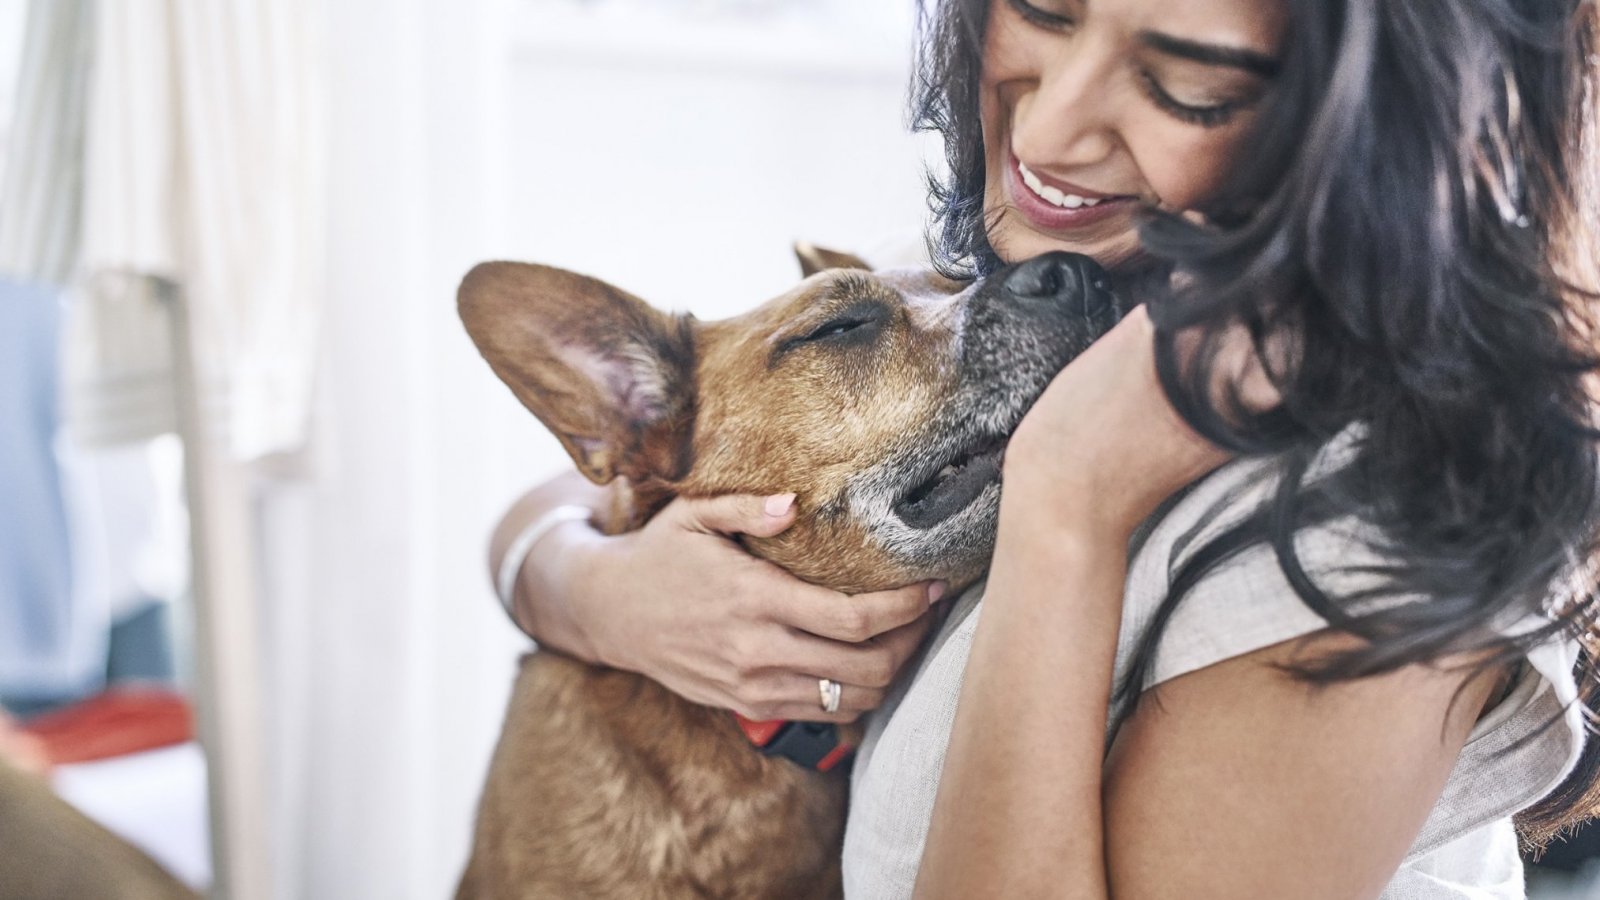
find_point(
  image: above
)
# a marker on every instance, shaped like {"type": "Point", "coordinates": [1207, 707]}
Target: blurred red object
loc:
{"type": "Point", "coordinates": [117, 722]}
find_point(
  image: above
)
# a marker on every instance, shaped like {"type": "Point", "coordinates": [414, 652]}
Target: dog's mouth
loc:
{"type": "Point", "coordinates": [955, 486]}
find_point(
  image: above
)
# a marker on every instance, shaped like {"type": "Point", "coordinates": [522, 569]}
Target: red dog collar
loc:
{"type": "Point", "coordinates": [814, 745]}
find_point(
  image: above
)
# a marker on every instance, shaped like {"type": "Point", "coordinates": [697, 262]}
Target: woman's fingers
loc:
{"type": "Point", "coordinates": [788, 695]}
{"type": "Point", "coordinates": [852, 619]}
{"type": "Point", "coordinates": [789, 687]}
{"type": "Point", "coordinates": [874, 663]}
{"type": "Point", "coordinates": [743, 633]}
{"type": "Point", "coordinates": [731, 514]}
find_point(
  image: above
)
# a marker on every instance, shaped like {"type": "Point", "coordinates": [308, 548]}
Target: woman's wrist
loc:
{"type": "Point", "coordinates": [549, 604]}
{"type": "Point", "coordinates": [509, 572]}
{"type": "Point", "coordinates": [1055, 488]}
{"type": "Point", "coordinates": [542, 602]}
{"type": "Point", "coordinates": [1045, 495]}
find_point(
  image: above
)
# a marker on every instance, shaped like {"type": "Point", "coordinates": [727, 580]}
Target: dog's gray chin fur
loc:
{"type": "Point", "coordinates": [1008, 359]}
{"type": "Point", "coordinates": [958, 547]}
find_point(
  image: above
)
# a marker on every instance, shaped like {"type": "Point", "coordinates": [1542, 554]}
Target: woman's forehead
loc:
{"type": "Point", "coordinates": [1247, 24]}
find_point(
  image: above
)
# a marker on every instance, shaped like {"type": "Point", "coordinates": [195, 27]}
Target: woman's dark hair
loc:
{"type": "Point", "coordinates": [1413, 231]}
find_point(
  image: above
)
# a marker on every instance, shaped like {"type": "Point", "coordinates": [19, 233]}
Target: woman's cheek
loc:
{"type": "Point", "coordinates": [1186, 165]}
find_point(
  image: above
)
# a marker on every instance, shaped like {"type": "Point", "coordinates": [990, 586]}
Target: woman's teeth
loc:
{"type": "Point", "coordinates": [1052, 194]}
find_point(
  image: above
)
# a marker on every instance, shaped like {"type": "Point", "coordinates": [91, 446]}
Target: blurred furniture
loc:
{"type": "Point", "coordinates": [227, 673]}
{"type": "Point", "coordinates": [54, 852]}
{"type": "Point", "coordinates": [154, 800]}
{"type": "Point", "coordinates": [115, 723]}
{"type": "Point", "coordinates": [52, 630]}
{"type": "Point", "coordinates": [126, 758]}
{"type": "Point", "coordinates": [167, 143]}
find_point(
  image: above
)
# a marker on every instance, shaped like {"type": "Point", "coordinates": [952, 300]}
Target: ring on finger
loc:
{"type": "Point", "coordinates": [829, 690]}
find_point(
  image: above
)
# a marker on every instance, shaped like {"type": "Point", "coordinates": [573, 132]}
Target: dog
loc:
{"type": "Point", "coordinates": [883, 400]}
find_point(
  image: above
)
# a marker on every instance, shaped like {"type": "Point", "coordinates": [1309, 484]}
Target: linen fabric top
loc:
{"type": "Point", "coordinates": [1466, 849]}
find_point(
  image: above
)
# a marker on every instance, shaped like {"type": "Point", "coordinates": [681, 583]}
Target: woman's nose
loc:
{"type": "Point", "coordinates": [1067, 118]}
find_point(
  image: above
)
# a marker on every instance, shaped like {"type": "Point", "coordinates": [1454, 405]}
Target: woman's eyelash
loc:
{"type": "Point", "coordinates": [1040, 17]}
{"type": "Point", "coordinates": [1204, 116]}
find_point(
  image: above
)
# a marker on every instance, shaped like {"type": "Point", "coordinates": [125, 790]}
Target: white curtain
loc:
{"type": "Point", "coordinates": [387, 660]}
{"type": "Point", "coordinates": [41, 194]}
{"type": "Point", "coordinates": [182, 139]}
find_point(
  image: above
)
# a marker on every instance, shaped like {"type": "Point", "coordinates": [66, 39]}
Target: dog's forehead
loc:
{"type": "Point", "coordinates": [920, 282]}
{"type": "Point", "coordinates": [844, 286]}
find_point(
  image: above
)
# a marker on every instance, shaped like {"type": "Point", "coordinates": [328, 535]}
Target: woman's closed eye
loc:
{"type": "Point", "coordinates": [1204, 108]}
{"type": "Point", "coordinates": [1057, 18]}
{"type": "Point", "coordinates": [1211, 82]}
{"type": "Point", "coordinates": [1201, 83]}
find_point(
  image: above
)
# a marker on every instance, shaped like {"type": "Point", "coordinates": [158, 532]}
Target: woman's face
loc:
{"type": "Point", "coordinates": [1093, 107]}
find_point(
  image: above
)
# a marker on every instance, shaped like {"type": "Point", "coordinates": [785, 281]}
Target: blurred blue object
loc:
{"type": "Point", "coordinates": [47, 653]}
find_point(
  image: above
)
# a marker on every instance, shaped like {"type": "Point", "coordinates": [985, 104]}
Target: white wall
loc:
{"type": "Point", "coordinates": [512, 128]}
{"type": "Point", "coordinates": [685, 170]}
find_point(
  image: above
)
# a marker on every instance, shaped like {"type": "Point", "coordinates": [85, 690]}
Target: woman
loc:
{"type": "Point", "coordinates": [1359, 229]}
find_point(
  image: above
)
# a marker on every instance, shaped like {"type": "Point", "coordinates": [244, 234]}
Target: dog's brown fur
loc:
{"type": "Point", "coordinates": [605, 784]}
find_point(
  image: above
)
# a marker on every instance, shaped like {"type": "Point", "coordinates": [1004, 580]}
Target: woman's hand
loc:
{"type": "Point", "coordinates": [1103, 446]}
{"type": "Point", "coordinates": [680, 602]}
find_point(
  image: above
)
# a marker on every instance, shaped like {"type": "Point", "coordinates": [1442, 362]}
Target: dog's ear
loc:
{"type": "Point", "coordinates": [610, 375]}
{"type": "Point", "coordinates": [814, 259]}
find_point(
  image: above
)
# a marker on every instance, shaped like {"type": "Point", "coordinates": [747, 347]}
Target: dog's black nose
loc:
{"type": "Point", "coordinates": [1068, 279]}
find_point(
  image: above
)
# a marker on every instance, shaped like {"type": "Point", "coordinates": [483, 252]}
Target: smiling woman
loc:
{"type": "Point", "coordinates": [1393, 205]}
{"type": "Point", "coordinates": [1172, 86]}
{"type": "Point", "coordinates": [1363, 237]}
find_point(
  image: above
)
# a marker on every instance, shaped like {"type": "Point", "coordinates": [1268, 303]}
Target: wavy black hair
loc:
{"type": "Point", "coordinates": [1413, 229]}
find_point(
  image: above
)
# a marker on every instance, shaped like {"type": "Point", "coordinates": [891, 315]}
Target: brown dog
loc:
{"type": "Point", "coordinates": [882, 400]}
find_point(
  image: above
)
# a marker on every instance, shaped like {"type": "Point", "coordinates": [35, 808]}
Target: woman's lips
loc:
{"type": "Point", "coordinates": [1048, 216]}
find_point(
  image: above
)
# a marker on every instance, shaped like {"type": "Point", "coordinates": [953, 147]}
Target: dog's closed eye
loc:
{"type": "Point", "coordinates": [835, 328]}
{"type": "Point", "coordinates": [858, 323]}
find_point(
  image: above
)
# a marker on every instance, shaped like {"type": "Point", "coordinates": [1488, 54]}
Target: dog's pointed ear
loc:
{"type": "Point", "coordinates": [610, 375]}
{"type": "Point", "coordinates": [814, 259]}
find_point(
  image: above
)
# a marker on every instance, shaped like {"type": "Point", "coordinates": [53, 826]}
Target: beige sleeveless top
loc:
{"type": "Point", "coordinates": [1466, 849]}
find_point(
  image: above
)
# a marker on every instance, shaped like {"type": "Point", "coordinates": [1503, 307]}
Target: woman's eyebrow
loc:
{"type": "Point", "coordinates": [1211, 54]}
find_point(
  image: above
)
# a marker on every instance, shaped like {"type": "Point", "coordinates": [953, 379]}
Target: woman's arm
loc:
{"type": "Point", "coordinates": [539, 604]}
{"type": "Point", "coordinates": [1236, 782]}
{"type": "Point", "coordinates": [1240, 782]}
{"type": "Point", "coordinates": [1018, 812]}
{"type": "Point", "coordinates": [680, 602]}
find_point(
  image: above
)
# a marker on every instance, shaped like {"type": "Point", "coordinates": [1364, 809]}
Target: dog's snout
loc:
{"type": "Point", "coordinates": [1066, 280]}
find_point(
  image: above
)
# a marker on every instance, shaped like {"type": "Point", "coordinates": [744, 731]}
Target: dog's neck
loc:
{"type": "Point", "coordinates": [629, 505]}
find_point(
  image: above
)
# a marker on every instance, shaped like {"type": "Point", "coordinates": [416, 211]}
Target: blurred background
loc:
{"type": "Point", "coordinates": [238, 228]}
{"type": "Point", "coordinates": [248, 458]}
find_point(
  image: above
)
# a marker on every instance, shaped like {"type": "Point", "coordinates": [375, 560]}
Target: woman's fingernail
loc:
{"type": "Point", "coordinates": [778, 505]}
{"type": "Point", "coordinates": [935, 591]}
